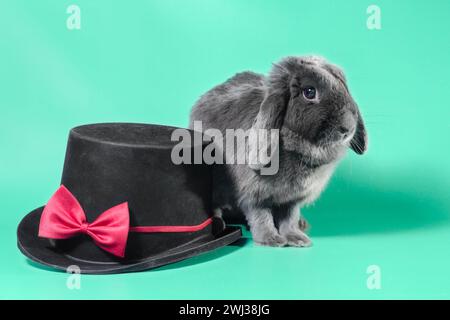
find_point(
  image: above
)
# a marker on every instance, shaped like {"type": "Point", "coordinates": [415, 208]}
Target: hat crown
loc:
{"type": "Point", "coordinates": [107, 164]}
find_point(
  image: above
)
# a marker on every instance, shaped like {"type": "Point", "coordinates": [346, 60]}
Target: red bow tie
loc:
{"type": "Point", "coordinates": [64, 218]}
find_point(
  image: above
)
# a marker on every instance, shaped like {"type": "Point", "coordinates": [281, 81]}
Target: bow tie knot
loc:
{"type": "Point", "coordinates": [84, 227]}
{"type": "Point", "coordinates": [63, 217]}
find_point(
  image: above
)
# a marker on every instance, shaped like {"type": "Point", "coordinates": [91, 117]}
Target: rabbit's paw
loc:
{"type": "Point", "coordinates": [271, 240]}
{"type": "Point", "coordinates": [296, 238]}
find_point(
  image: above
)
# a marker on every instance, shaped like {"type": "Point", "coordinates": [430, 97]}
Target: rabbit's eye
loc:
{"type": "Point", "coordinates": [309, 93]}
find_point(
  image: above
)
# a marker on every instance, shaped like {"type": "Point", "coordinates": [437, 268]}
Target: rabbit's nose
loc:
{"type": "Point", "coordinates": [343, 130]}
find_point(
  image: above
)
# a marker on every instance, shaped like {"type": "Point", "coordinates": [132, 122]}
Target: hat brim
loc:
{"type": "Point", "coordinates": [39, 250]}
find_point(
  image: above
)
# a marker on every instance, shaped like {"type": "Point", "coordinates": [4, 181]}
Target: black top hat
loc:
{"type": "Point", "coordinates": [124, 205]}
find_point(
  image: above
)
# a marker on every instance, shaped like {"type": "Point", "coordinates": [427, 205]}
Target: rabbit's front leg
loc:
{"type": "Point", "coordinates": [291, 228]}
{"type": "Point", "coordinates": [263, 228]}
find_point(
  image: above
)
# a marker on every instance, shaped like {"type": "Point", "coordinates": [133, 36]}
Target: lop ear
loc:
{"type": "Point", "coordinates": [262, 141]}
{"type": "Point", "coordinates": [359, 141]}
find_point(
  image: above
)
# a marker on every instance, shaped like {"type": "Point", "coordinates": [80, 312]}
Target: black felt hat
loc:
{"type": "Point", "coordinates": [124, 205]}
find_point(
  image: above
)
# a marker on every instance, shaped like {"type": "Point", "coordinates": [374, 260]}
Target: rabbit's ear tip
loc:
{"type": "Point", "coordinates": [357, 149]}
{"type": "Point", "coordinates": [359, 144]}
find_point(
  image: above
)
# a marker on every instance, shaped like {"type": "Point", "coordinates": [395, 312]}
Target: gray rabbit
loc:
{"type": "Point", "coordinates": [308, 100]}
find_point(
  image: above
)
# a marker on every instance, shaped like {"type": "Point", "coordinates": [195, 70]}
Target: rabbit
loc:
{"type": "Point", "coordinates": [307, 99]}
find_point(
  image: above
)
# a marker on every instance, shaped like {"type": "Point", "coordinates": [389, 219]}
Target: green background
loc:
{"type": "Point", "coordinates": [148, 61]}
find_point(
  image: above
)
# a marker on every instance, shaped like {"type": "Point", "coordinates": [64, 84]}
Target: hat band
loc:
{"type": "Point", "coordinates": [151, 229]}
